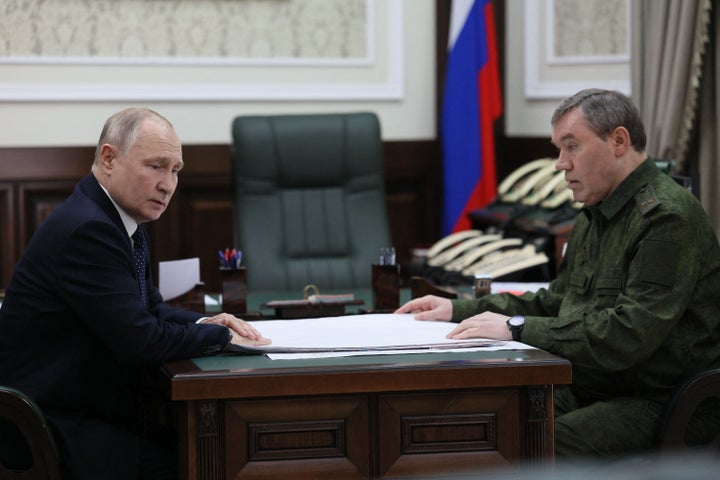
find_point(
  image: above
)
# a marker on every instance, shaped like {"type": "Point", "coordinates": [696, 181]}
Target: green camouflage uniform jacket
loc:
{"type": "Point", "coordinates": [635, 306]}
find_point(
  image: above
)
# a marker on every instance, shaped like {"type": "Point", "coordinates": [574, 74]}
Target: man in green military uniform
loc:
{"type": "Point", "coordinates": [635, 304]}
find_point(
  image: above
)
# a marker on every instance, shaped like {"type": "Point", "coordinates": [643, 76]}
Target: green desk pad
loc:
{"type": "Point", "coordinates": [252, 362]}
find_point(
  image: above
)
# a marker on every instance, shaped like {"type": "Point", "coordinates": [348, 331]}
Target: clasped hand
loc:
{"type": "Point", "coordinates": [484, 325]}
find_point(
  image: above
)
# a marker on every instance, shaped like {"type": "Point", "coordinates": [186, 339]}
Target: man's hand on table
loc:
{"type": "Point", "coordinates": [242, 332]}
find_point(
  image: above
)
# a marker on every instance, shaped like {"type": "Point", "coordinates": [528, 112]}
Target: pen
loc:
{"type": "Point", "coordinates": [230, 258]}
{"type": "Point", "coordinates": [387, 256]}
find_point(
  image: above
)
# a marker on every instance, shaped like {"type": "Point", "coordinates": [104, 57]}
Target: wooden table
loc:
{"type": "Point", "coordinates": [390, 416]}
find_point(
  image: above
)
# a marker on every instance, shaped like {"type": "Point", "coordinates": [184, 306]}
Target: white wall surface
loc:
{"type": "Point", "coordinates": [523, 117]}
{"type": "Point", "coordinates": [526, 32]}
{"type": "Point", "coordinates": [410, 116]}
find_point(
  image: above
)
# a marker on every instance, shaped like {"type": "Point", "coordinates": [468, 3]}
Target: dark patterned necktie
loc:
{"type": "Point", "coordinates": [140, 253]}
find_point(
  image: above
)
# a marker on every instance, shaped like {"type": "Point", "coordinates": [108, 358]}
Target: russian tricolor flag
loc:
{"type": "Point", "coordinates": [472, 101]}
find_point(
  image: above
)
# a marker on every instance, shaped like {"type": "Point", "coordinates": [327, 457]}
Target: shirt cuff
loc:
{"type": "Point", "coordinates": [229, 344]}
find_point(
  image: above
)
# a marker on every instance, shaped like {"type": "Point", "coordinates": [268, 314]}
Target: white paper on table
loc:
{"type": "Point", "coordinates": [329, 354]}
{"type": "Point", "coordinates": [176, 277]}
{"type": "Point", "coordinates": [361, 335]}
{"type": "Point", "coordinates": [519, 287]}
{"type": "Point", "coordinates": [211, 300]}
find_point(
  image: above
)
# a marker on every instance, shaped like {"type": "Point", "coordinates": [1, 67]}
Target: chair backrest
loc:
{"type": "Point", "coordinates": [27, 448]}
{"type": "Point", "coordinates": [309, 199]}
{"type": "Point", "coordinates": [683, 405]}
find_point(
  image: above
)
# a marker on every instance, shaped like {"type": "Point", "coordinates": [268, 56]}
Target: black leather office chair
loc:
{"type": "Point", "coordinates": [682, 406]}
{"type": "Point", "coordinates": [27, 448]}
{"type": "Point", "coordinates": [309, 199]}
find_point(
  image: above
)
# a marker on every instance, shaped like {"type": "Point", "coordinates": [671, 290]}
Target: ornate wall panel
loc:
{"type": "Point", "coordinates": [188, 50]}
{"type": "Point", "coordinates": [173, 30]}
{"type": "Point", "coordinates": [8, 240]}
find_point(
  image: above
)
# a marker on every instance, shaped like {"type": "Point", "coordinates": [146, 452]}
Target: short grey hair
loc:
{"type": "Point", "coordinates": [121, 129]}
{"type": "Point", "coordinates": [604, 111]}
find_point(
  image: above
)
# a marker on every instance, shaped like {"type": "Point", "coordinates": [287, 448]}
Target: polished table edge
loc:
{"type": "Point", "coordinates": [184, 380]}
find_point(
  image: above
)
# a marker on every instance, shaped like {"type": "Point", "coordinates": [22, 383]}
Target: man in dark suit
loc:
{"type": "Point", "coordinates": [78, 325]}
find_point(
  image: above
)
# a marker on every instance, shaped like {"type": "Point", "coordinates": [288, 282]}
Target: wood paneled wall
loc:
{"type": "Point", "coordinates": [199, 220]}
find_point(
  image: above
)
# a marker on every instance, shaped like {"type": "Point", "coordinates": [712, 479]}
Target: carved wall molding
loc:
{"type": "Point", "coordinates": [209, 50]}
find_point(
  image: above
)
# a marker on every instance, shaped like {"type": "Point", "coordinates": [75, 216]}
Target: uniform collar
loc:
{"type": "Point", "coordinates": [626, 191]}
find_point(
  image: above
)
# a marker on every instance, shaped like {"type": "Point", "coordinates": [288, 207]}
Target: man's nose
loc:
{"type": "Point", "coordinates": [561, 162]}
{"type": "Point", "coordinates": [167, 183]}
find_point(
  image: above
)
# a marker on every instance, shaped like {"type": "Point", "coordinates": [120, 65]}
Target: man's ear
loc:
{"type": "Point", "coordinates": [620, 141]}
{"type": "Point", "coordinates": [108, 154]}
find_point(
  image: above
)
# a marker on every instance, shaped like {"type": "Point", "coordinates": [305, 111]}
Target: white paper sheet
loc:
{"type": "Point", "coordinates": [361, 335]}
{"type": "Point", "coordinates": [518, 287]}
{"type": "Point", "coordinates": [178, 276]}
{"type": "Point", "coordinates": [328, 354]}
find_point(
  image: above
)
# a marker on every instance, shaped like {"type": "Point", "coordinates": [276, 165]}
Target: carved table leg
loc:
{"type": "Point", "coordinates": [210, 440]}
{"type": "Point", "coordinates": [538, 431]}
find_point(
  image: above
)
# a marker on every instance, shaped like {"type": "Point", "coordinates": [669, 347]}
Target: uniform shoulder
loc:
{"type": "Point", "coordinates": [647, 199]}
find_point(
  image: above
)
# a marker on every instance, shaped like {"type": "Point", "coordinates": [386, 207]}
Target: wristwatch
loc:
{"type": "Point", "coordinates": [515, 324]}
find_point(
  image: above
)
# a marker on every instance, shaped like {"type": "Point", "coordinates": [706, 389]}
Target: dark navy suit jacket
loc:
{"type": "Point", "coordinates": [75, 334]}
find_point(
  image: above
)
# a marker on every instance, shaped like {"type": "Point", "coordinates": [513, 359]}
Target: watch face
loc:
{"type": "Point", "coordinates": [516, 321]}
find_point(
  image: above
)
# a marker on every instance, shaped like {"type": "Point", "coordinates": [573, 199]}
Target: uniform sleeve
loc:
{"type": "Point", "coordinates": [619, 314]}
{"type": "Point", "coordinates": [544, 302]}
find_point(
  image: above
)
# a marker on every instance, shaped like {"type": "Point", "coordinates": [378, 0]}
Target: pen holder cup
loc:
{"type": "Point", "coordinates": [233, 282]}
{"type": "Point", "coordinates": [482, 285]}
{"type": "Point", "coordinates": [386, 287]}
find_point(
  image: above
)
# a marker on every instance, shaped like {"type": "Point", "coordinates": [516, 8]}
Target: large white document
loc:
{"type": "Point", "coordinates": [362, 335]}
